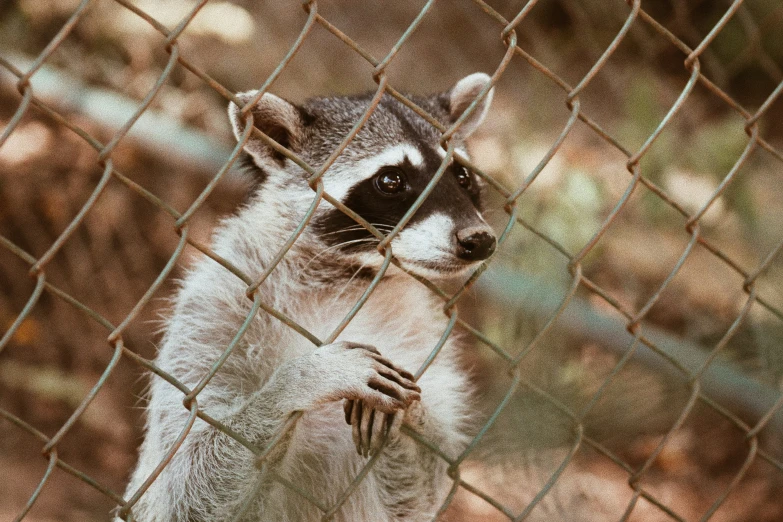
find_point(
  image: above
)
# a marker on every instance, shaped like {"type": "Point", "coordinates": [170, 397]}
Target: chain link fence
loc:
{"type": "Point", "coordinates": [621, 335]}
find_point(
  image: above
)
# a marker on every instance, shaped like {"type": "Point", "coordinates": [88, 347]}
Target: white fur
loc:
{"type": "Point", "coordinates": [427, 240]}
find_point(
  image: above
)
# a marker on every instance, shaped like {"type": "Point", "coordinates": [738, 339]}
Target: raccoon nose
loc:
{"type": "Point", "coordinates": [475, 244]}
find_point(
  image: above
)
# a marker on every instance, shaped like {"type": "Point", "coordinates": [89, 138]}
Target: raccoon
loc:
{"type": "Point", "coordinates": [355, 393]}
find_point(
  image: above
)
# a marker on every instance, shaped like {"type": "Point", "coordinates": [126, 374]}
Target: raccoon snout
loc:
{"type": "Point", "coordinates": [475, 243]}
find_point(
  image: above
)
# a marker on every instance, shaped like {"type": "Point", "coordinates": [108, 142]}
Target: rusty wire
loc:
{"type": "Point", "coordinates": [507, 34]}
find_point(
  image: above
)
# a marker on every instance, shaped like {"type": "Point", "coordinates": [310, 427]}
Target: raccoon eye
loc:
{"type": "Point", "coordinates": [391, 180]}
{"type": "Point", "coordinates": [463, 178]}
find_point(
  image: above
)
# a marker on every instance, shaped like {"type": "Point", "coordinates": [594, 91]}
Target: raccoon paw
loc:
{"type": "Point", "coordinates": [371, 428]}
{"type": "Point", "coordinates": [352, 371]}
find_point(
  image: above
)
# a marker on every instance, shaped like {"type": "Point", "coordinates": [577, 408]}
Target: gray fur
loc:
{"type": "Point", "coordinates": [274, 371]}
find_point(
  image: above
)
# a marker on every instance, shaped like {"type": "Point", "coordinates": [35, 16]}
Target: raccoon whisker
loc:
{"type": "Point", "coordinates": [339, 294]}
{"type": "Point", "coordinates": [381, 227]}
{"type": "Point", "coordinates": [342, 230]}
{"type": "Point", "coordinates": [338, 245]}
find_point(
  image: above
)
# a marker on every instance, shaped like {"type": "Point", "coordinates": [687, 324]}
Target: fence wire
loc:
{"type": "Point", "coordinates": [510, 357]}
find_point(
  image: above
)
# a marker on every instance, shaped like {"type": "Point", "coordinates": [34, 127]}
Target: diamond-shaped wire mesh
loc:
{"type": "Point", "coordinates": [641, 369]}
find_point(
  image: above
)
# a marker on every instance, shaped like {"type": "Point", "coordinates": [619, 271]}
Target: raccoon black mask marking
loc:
{"type": "Point", "coordinates": [385, 210]}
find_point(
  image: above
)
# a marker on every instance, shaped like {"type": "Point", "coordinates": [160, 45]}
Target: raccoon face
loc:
{"type": "Point", "coordinates": [380, 175]}
{"type": "Point", "coordinates": [445, 236]}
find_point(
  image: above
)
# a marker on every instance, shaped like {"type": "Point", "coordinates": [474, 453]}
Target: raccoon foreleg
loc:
{"type": "Point", "coordinates": [341, 370]}
{"type": "Point", "coordinates": [212, 473]}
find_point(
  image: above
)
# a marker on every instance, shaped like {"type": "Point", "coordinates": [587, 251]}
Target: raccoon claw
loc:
{"type": "Point", "coordinates": [371, 428]}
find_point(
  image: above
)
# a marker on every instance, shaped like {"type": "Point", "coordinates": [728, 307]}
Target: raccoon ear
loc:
{"type": "Point", "coordinates": [277, 118]}
{"type": "Point", "coordinates": [462, 95]}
